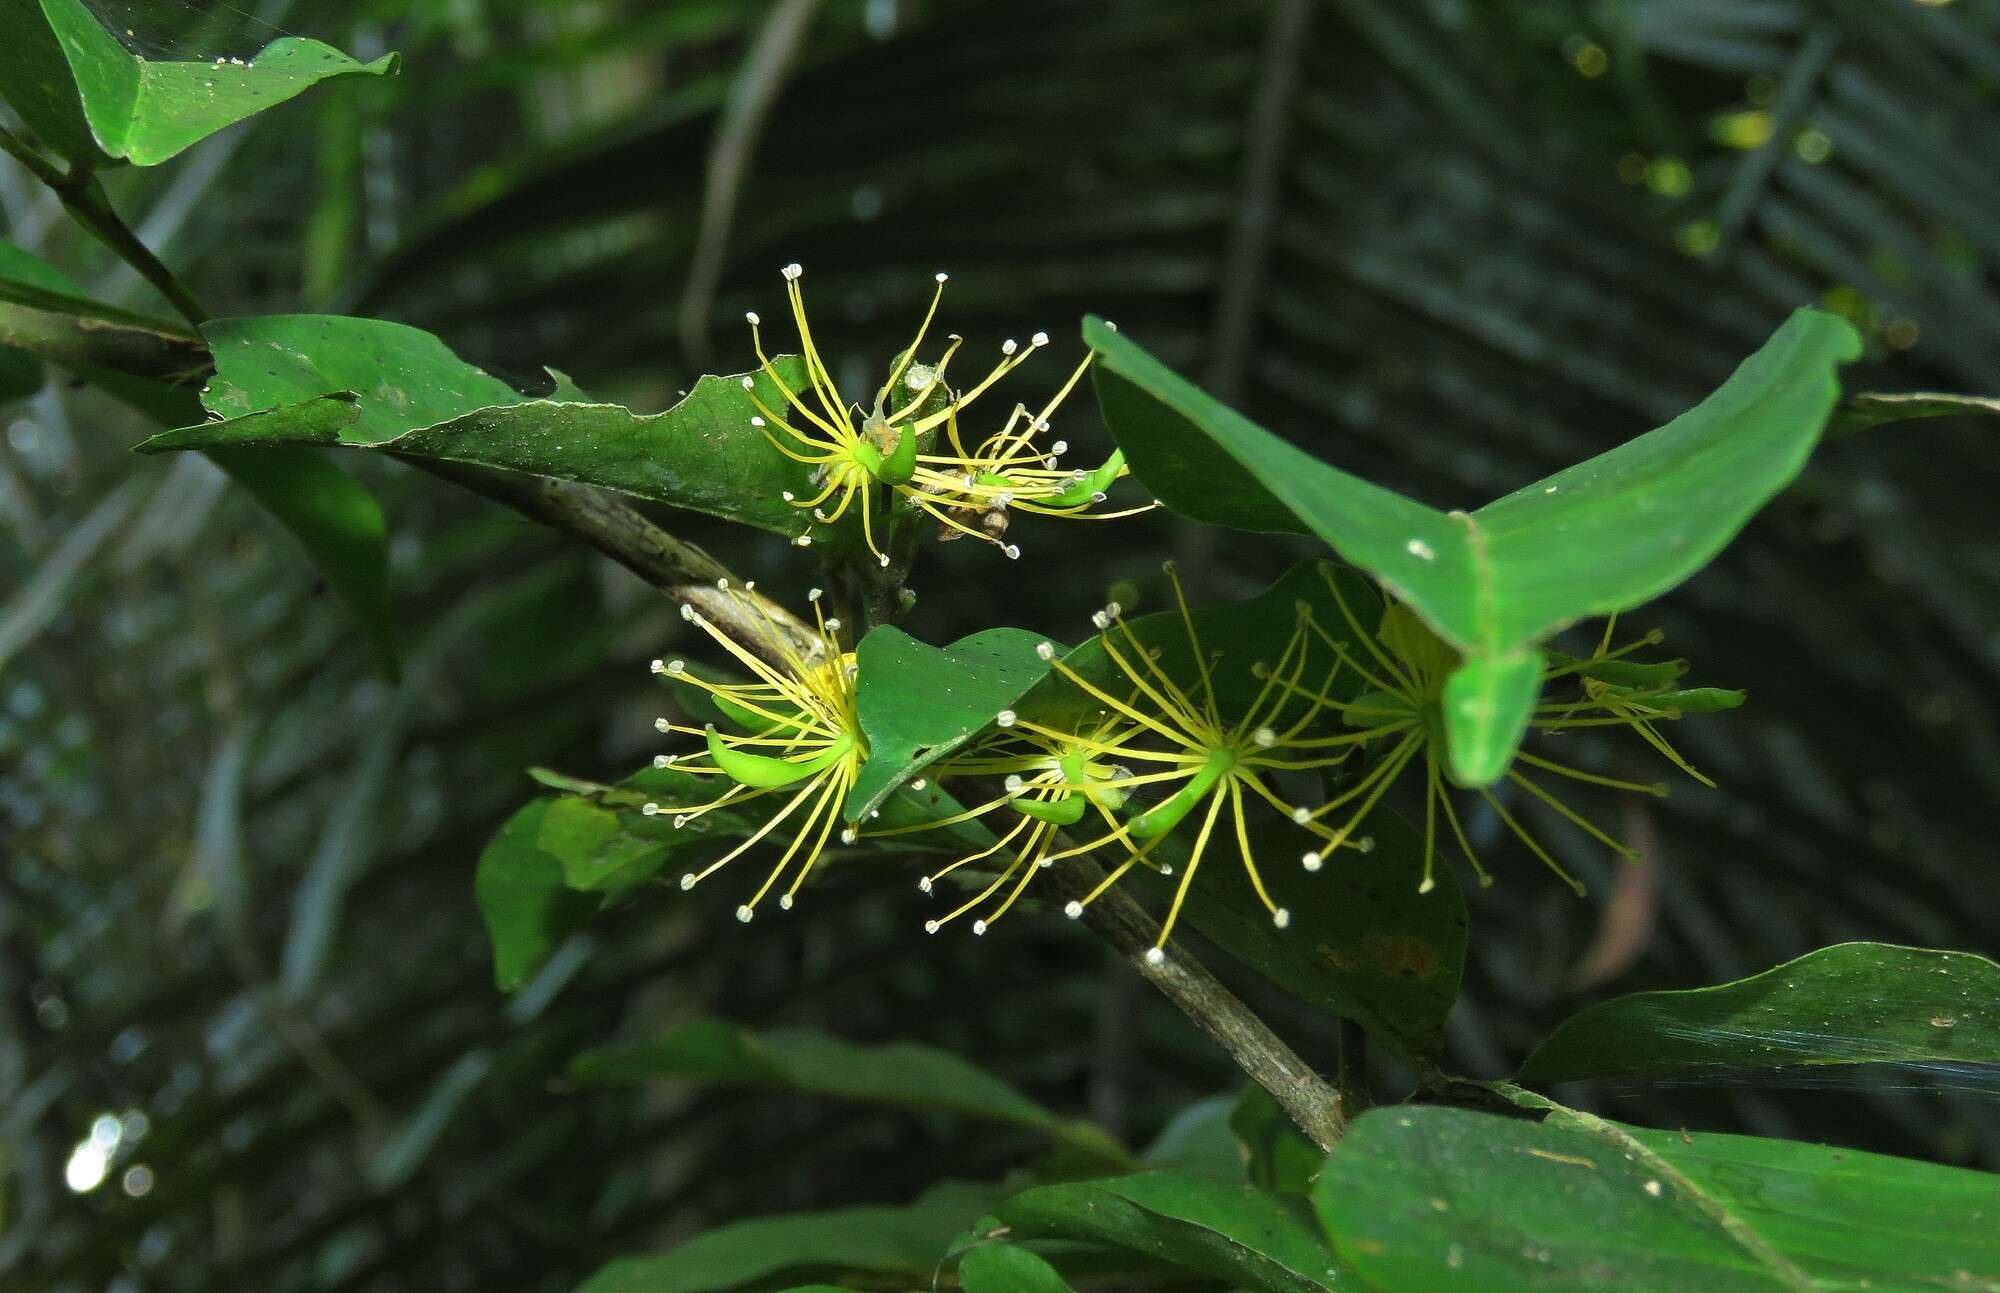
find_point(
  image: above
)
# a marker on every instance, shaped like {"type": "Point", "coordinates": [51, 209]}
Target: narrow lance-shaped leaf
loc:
{"type": "Point", "coordinates": [1854, 1003]}
{"type": "Point", "coordinates": [901, 1075]}
{"type": "Point", "coordinates": [1600, 537]}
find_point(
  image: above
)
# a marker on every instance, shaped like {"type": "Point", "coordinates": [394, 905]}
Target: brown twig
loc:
{"type": "Point", "coordinates": [1311, 1102]}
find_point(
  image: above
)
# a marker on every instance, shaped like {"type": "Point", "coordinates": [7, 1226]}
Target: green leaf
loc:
{"type": "Point", "coordinates": [329, 380]}
{"type": "Point", "coordinates": [902, 1075]}
{"type": "Point", "coordinates": [1421, 1199]}
{"type": "Point", "coordinates": [527, 908]}
{"type": "Point", "coordinates": [1600, 537]}
{"type": "Point", "coordinates": [918, 703]}
{"type": "Point", "coordinates": [1853, 1003]}
{"type": "Point", "coordinates": [904, 1243]}
{"type": "Point", "coordinates": [1866, 409]}
{"type": "Point", "coordinates": [1008, 1268]}
{"type": "Point", "coordinates": [44, 312]}
{"type": "Point", "coordinates": [1276, 1156]}
{"type": "Point", "coordinates": [145, 110]}
{"type": "Point", "coordinates": [1234, 1233]}
{"type": "Point", "coordinates": [338, 523]}
{"type": "Point", "coordinates": [1362, 942]}
{"type": "Point", "coordinates": [36, 82]}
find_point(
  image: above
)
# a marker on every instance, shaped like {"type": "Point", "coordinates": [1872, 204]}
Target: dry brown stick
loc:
{"type": "Point", "coordinates": [1311, 1102]}
{"type": "Point", "coordinates": [677, 568]}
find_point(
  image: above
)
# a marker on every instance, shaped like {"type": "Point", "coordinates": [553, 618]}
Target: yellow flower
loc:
{"type": "Point", "coordinates": [852, 449]}
{"type": "Point", "coordinates": [799, 734]}
{"type": "Point", "coordinates": [1207, 765]}
{"type": "Point", "coordinates": [1405, 669]}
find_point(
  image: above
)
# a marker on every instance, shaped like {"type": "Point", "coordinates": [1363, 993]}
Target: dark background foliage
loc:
{"type": "Point", "coordinates": [1447, 245]}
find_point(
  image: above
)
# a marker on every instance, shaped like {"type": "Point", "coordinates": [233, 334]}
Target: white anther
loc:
{"type": "Point", "coordinates": [941, 276]}
{"type": "Point", "coordinates": [1264, 737]}
{"type": "Point", "coordinates": [833, 623]}
{"type": "Point", "coordinates": [1311, 861]}
{"type": "Point", "coordinates": [803, 541]}
{"type": "Point", "coordinates": [919, 784]}
{"type": "Point", "coordinates": [1098, 496]}
{"type": "Point", "coordinates": [1009, 346]}
{"type": "Point", "coordinates": [813, 594]}
{"type": "Point", "coordinates": [1013, 784]}
{"type": "Point", "coordinates": [744, 914]}
{"type": "Point", "coordinates": [677, 667]}
{"type": "Point", "coordinates": [819, 514]}
{"type": "Point", "coordinates": [1420, 550]}
{"type": "Point", "coordinates": [751, 315]}
{"type": "Point", "coordinates": [687, 881]}
{"type": "Point", "coordinates": [1113, 609]}
{"type": "Point", "coordinates": [930, 927]}
{"type": "Point", "coordinates": [1046, 650]}
{"type": "Point", "coordinates": [784, 902]}
{"type": "Point", "coordinates": [1039, 339]}
{"type": "Point", "coordinates": [749, 385]}
{"type": "Point", "coordinates": [1366, 844]}
{"type": "Point", "coordinates": [1155, 956]}
{"type": "Point", "coordinates": [1109, 326]}
{"type": "Point", "coordinates": [650, 809]}
{"type": "Point", "coordinates": [1101, 620]}
{"type": "Point", "coordinates": [1060, 447]}
{"type": "Point", "coordinates": [1005, 718]}
{"type": "Point", "coordinates": [663, 761]}
{"type": "Point", "coordinates": [883, 560]}
{"type": "Point", "coordinates": [1003, 498]}
{"type": "Point", "coordinates": [1281, 918]}
{"type": "Point", "coordinates": [749, 585]}
{"type": "Point", "coordinates": [848, 835]}
{"type": "Point", "coordinates": [687, 612]}
{"type": "Point", "coordinates": [1302, 815]}
{"type": "Point", "coordinates": [979, 927]}
{"type": "Point", "coordinates": [682, 819]}
{"type": "Point", "coordinates": [1427, 885]}
{"type": "Point", "coordinates": [924, 884]}
{"type": "Point", "coordinates": [1013, 552]}
{"type": "Point", "coordinates": [1073, 909]}
{"type": "Point", "coordinates": [793, 270]}
{"type": "Point", "coordinates": [757, 420]}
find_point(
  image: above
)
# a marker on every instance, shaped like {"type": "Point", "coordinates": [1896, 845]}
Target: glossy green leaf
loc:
{"type": "Point", "coordinates": [146, 110]}
{"type": "Point", "coordinates": [904, 1243]}
{"type": "Point", "coordinates": [918, 703]}
{"type": "Point", "coordinates": [36, 82]}
{"type": "Point", "coordinates": [1276, 1156]}
{"type": "Point", "coordinates": [329, 380]}
{"type": "Point", "coordinates": [1853, 1003]}
{"type": "Point", "coordinates": [902, 1075]}
{"type": "Point", "coordinates": [527, 907]}
{"type": "Point", "coordinates": [1242, 1235]}
{"type": "Point", "coordinates": [1008, 1268]}
{"type": "Point", "coordinates": [1422, 1199]}
{"type": "Point", "coordinates": [1600, 537]}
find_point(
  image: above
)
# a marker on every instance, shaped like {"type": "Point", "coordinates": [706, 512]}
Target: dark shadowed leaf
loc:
{"type": "Point", "coordinates": [904, 1243]}
{"type": "Point", "coordinates": [1234, 1233]}
{"type": "Point", "coordinates": [527, 907]}
{"type": "Point", "coordinates": [1854, 1003]}
{"type": "Point", "coordinates": [902, 1075]}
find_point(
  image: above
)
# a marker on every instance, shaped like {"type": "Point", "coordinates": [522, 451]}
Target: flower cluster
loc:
{"type": "Point", "coordinates": [1139, 750]}
{"type": "Point", "coordinates": [909, 440]}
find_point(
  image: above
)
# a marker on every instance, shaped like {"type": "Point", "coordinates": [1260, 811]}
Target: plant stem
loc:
{"type": "Point", "coordinates": [677, 568]}
{"type": "Point", "coordinates": [1315, 1105]}
{"type": "Point", "coordinates": [85, 200]}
